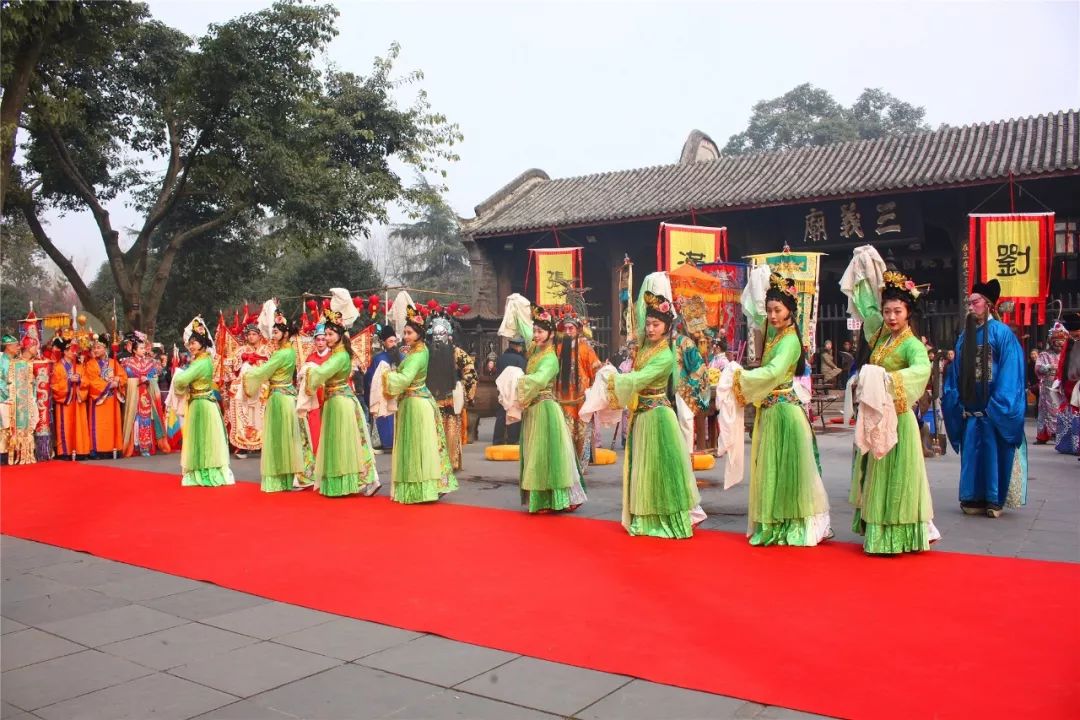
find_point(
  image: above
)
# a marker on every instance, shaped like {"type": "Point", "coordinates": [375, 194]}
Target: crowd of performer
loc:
{"type": "Point", "coordinates": [315, 400]}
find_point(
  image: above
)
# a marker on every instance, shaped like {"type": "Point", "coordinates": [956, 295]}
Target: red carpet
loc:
{"type": "Point", "coordinates": [826, 630]}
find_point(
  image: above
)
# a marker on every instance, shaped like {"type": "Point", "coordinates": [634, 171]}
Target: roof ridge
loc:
{"type": "Point", "coordinates": [819, 148]}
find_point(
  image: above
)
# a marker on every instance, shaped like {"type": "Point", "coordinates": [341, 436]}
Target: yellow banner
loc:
{"type": "Point", "coordinates": [697, 245]}
{"type": "Point", "coordinates": [1013, 256]}
{"type": "Point", "coordinates": [552, 270]}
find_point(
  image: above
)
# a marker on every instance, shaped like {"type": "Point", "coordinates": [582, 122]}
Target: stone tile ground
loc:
{"type": "Point", "coordinates": [85, 637]}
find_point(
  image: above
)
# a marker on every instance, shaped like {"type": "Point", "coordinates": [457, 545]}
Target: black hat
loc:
{"type": "Point", "coordinates": [386, 332]}
{"type": "Point", "coordinates": [990, 290]}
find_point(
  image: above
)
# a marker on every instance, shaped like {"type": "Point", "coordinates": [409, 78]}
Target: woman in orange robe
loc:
{"type": "Point", "coordinates": [105, 381]}
{"type": "Point", "coordinates": [69, 390]}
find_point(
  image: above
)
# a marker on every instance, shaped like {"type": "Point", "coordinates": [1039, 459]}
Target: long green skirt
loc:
{"type": "Point", "coordinates": [788, 504]}
{"type": "Point", "coordinates": [344, 463]}
{"type": "Point", "coordinates": [204, 455]}
{"type": "Point", "coordinates": [891, 496]}
{"type": "Point", "coordinates": [283, 450]}
{"type": "Point", "coordinates": [659, 488]}
{"type": "Point", "coordinates": [550, 476]}
{"type": "Point", "coordinates": [420, 468]}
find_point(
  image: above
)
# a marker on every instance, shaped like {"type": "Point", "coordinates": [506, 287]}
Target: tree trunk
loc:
{"type": "Point", "coordinates": [11, 107]}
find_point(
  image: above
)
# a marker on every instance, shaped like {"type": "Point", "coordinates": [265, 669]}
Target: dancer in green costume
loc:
{"type": "Point", "coordinates": [891, 495]}
{"type": "Point", "coordinates": [549, 471]}
{"type": "Point", "coordinates": [788, 504]}
{"type": "Point", "coordinates": [344, 462]}
{"type": "Point", "coordinates": [420, 467]}
{"type": "Point", "coordinates": [660, 495]}
{"type": "Point", "coordinates": [204, 455]}
{"type": "Point", "coordinates": [283, 459]}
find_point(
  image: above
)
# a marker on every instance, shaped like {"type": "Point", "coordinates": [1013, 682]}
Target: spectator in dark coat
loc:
{"type": "Point", "coordinates": [513, 356]}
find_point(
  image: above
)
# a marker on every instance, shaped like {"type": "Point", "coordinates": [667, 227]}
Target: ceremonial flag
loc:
{"type": "Point", "coordinates": [681, 244]}
{"type": "Point", "coordinates": [554, 268]}
{"type": "Point", "coordinates": [1014, 249]}
{"type": "Point", "coordinates": [803, 269]}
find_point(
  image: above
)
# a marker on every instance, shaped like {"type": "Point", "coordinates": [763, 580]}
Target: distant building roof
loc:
{"type": "Point", "coordinates": [951, 156]}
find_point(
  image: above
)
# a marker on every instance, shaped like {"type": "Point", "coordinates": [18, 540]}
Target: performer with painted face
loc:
{"type": "Point", "coordinates": [788, 504]}
{"type": "Point", "coordinates": [889, 488]}
{"type": "Point", "coordinates": [344, 463]}
{"type": "Point", "coordinates": [1046, 367]}
{"type": "Point", "coordinates": [984, 403]}
{"type": "Point", "coordinates": [204, 453]}
{"type": "Point", "coordinates": [421, 468]}
{"type": "Point", "coordinates": [283, 460]}
{"type": "Point", "coordinates": [660, 496]}
{"type": "Point", "coordinates": [578, 364]}
{"type": "Point", "coordinates": [550, 477]}
{"type": "Point", "coordinates": [451, 378]}
{"type": "Point", "coordinates": [107, 383]}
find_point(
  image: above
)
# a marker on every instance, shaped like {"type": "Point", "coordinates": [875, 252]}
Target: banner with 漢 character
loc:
{"type": "Point", "coordinates": [1015, 249]}
{"type": "Point", "coordinates": [689, 245]}
{"type": "Point", "coordinates": [556, 269]}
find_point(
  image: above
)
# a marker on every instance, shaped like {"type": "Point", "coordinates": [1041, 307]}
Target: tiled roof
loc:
{"type": "Point", "coordinates": [967, 155]}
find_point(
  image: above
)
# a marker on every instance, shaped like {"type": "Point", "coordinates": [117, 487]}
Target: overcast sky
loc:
{"type": "Point", "coordinates": [588, 87]}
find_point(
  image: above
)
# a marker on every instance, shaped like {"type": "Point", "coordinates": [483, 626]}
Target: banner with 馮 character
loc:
{"type": "Point", "coordinates": [803, 269]}
{"type": "Point", "coordinates": [555, 269]}
{"type": "Point", "coordinates": [1014, 249]}
{"type": "Point", "coordinates": [689, 244]}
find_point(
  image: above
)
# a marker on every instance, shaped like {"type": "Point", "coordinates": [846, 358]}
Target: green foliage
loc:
{"type": "Point", "coordinates": [429, 252]}
{"type": "Point", "coordinates": [25, 279]}
{"type": "Point", "coordinates": [244, 128]}
{"type": "Point", "coordinates": [806, 116]}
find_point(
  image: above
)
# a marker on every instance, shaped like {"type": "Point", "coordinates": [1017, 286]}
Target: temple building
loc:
{"type": "Point", "coordinates": [909, 195]}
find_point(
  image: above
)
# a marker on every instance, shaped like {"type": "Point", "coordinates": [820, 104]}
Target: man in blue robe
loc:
{"type": "Point", "coordinates": [983, 402]}
{"type": "Point", "coordinates": [391, 355]}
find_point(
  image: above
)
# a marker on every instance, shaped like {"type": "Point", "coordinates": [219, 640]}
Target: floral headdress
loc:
{"type": "Point", "coordinates": [416, 318]}
{"type": "Point", "coordinates": [659, 307]}
{"type": "Point", "coordinates": [900, 281]}
{"type": "Point", "coordinates": [779, 283]}
{"type": "Point", "coordinates": [543, 317]}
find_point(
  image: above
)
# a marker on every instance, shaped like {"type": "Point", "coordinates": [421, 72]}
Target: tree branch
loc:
{"type": "Point", "coordinates": [157, 213]}
{"type": "Point", "coordinates": [65, 265]}
{"type": "Point", "coordinates": [164, 268]}
{"type": "Point", "coordinates": [110, 237]}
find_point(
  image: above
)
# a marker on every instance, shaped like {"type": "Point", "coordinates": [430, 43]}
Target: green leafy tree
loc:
{"type": "Point", "coordinates": [806, 115]}
{"type": "Point", "coordinates": [429, 252]}
{"type": "Point", "coordinates": [248, 129]}
{"type": "Point", "coordinates": [25, 277]}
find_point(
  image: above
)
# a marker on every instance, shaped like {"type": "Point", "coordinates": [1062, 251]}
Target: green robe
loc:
{"type": "Point", "coordinates": [550, 476]}
{"type": "Point", "coordinates": [788, 504]}
{"type": "Point", "coordinates": [284, 436]}
{"type": "Point", "coordinates": [891, 496]}
{"type": "Point", "coordinates": [204, 456]}
{"type": "Point", "coordinates": [420, 470]}
{"type": "Point", "coordinates": [659, 488]}
{"type": "Point", "coordinates": [344, 463]}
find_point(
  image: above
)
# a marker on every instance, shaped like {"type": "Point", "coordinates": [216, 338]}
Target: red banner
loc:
{"type": "Point", "coordinates": [1015, 249]}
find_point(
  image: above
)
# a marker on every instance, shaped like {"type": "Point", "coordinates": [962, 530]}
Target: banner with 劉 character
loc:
{"type": "Point", "coordinates": [556, 269]}
{"type": "Point", "coordinates": [1014, 249]}
{"type": "Point", "coordinates": [689, 244]}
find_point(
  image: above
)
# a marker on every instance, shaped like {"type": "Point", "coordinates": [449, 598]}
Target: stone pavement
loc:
{"type": "Point", "coordinates": [85, 637]}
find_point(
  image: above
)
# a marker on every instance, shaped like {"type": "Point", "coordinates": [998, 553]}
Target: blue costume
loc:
{"type": "Point", "coordinates": [986, 423]}
{"type": "Point", "coordinates": [384, 425]}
